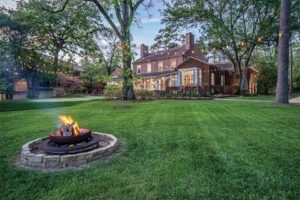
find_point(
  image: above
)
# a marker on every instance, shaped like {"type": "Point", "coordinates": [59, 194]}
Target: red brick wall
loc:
{"type": "Point", "coordinates": [154, 64]}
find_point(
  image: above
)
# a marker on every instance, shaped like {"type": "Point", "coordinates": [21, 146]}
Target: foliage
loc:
{"type": "Point", "coordinates": [59, 92]}
{"type": "Point", "coordinates": [296, 64]}
{"type": "Point", "coordinates": [12, 38]}
{"type": "Point", "coordinates": [71, 85]}
{"type": "Point", "coordinates": [265, 62]}
{"type": "Point", "coordinates": [111, 58]}
{"type": "Point", "coordinates": [125, 12]}
{"type": "Point", "coordinates": [113, 92]}
{"type": "Point", "coordinates": [65, 32]}
{"type": "Point", "coordinates": [167, 39]}
{"type": "Point", "coordinates": [143, 94]}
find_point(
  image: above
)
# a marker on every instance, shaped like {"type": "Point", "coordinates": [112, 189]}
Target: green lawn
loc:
{"type": "Point", "coordinates": [170, 150]}
{"type": "Point", "coordinates": [263, 97]}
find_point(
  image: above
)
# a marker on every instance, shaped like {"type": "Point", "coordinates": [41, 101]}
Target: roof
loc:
{"type": "Point", "coordinates": [225, 66]}
{"type": "Point", "coordinates": [116, 73]}
{"type": "Point", "coordinates": [229, 66]}
{"type": "Point", "coordinates": [190, 60]}
{"type": "Point", "coordinates": [174, 52]}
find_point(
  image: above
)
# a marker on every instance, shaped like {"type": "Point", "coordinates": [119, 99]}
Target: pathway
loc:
{"type": "Point", "coordinates": [295, 100]}
{"type": "Point", "coordinates": [86, 98]}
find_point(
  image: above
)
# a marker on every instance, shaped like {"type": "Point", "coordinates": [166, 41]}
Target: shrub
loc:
{"type": "Point", "coordinates": [59, 92]}
{"type": "Point", "coordinates": [143, 94]}
{"type": "Point", "coordinates": [113, 92]}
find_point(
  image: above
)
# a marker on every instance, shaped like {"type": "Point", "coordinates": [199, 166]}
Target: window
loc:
{"type": "Point", "coordinates": [148, 67]}
{"type": "Point", "coordinates": [188, 80]}
{"type": "Point", "coordinates": [173, 63]}
{"type": "Point", "coordinates": [160, 66]}
{"type": "Point", "coordinates": [138, 69]}
{"type": "Point", "coordinates": [200, 77]}
{"type": "Point", "coordinates": [212, 79]}
{"type": "Point", "coordinates": [148, 84]}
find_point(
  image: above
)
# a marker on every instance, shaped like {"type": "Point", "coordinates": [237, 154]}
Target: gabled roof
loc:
{"type": "Point", "coordinates": [174, 52]}
{"type": "Point", "coordinates": [116, 73]}
{"type": "Point", "coordinates": [191, 60]}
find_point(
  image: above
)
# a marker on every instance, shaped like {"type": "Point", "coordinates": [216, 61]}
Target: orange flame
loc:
{"type": "Point", "coordinates": [69, 120]}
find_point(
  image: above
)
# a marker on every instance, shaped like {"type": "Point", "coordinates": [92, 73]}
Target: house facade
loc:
{"type": "Point", "coordinates": [184, 68]}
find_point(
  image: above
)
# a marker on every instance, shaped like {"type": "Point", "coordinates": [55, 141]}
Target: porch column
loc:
{"type": "Point", "coordinates": [179, 79]}
{"type": "Point", "coordinates": [196, 77]}
{"type": "Point", "coordinates": [157, 83]}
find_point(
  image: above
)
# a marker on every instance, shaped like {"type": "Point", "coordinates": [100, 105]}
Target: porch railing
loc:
{"type": "Point", "coordinates": [200, 91]}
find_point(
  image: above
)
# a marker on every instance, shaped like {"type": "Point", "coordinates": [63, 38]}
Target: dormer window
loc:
{"type": "Point", "coordinates": [160, 66]}
{"type": "Point", "coordinates": [148, 67]}
{"type": "Point", "coordinates": [173, 63]}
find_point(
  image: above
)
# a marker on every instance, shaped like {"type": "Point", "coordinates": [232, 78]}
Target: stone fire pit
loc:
{"type": "Point", "coordinates": [33, 156]}
{"type": "Point", "coordinates": [68, 147]}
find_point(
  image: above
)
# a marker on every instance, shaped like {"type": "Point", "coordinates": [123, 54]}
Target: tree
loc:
{"type": "Point", "coordinates": [166, 39]}
{"type": "Point", "coordinates": [13, 37]}
{"type": "Point", "coordinates": [283, 54]}
{"type": "Point", "coordinates": [125, 11]}
{"type": "Point", "coordinates": [233, 28]}
{"type": "Point", "coordinates": [264, 58]}
{"type": "Point", "coordinates": [111, 52]}
{"type": "Point", "coordinates": [68, 32]}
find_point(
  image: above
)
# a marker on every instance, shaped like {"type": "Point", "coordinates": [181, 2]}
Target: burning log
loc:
{"type": "Point", "coordinates": [69, 127]}
{"type": "Point", "coordinates": [69, 132]}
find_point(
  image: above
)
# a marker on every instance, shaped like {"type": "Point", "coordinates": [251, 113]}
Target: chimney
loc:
{"type": "Point", "coordinates": [144, 50]}
{"type": "Point", "coordinates": [189, 41]}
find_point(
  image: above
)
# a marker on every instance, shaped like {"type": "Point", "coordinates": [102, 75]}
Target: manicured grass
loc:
{"type": "Point", "coordinates": [263, 97]}
{"type": "Point", "coordinates": [170, 150]}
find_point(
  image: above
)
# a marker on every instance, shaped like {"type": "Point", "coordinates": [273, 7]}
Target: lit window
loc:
{"type": "Point", "coordinates": [138, 69]}
{"type": "Point", "coordinates": [148, 67]}
{"type": "Point", "coordinates": [212, 79]}
{"type": "Point", "coordinates": [200, 77]}
{"type": "Point", "coordinates": [160, 66]}
{"type": "Point", "coordinates": [173, 63]}
{"type": "Point", "coordinates": [148, 84]}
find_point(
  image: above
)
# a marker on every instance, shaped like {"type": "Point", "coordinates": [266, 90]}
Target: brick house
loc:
{"type": "Point", "coordinates": [184, 68]}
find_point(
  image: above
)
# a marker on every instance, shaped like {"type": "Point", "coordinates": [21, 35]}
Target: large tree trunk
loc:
{"type": "Point", "coordinates": [245, 86]}
{"type": "Point", "coordinates": [32, 84]}
{"type": "Point", "coordinates": [291, 68]}
{"type": "Point", "coordinates": [239, 73]}
{"type": "Point", "coordinates": [283, 56]}
{"type": "Point", "coordinates": [128, 91]}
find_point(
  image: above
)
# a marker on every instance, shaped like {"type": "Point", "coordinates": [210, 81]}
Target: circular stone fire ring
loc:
{"type": "Point", "coordinates": [34, 156]}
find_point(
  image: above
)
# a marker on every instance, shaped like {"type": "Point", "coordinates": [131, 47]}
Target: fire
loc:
{"type": "Point", "coordinates": [69, 120]}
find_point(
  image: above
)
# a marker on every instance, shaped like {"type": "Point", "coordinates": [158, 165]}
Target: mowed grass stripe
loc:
{"type": "Point", "coordinates": [170, 150]}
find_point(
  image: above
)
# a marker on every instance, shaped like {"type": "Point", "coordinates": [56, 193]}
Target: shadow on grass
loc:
{"type": "Point", "coordinates": [28, 105]}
